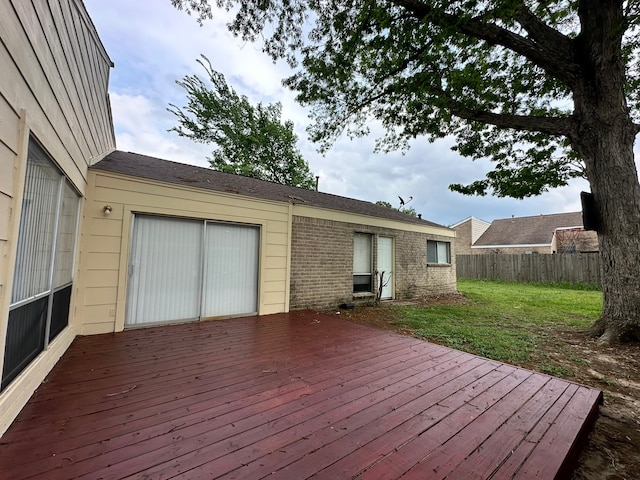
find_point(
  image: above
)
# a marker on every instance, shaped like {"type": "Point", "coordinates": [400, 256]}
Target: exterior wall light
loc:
{"type": "Point", "coordinates": [107, 210]}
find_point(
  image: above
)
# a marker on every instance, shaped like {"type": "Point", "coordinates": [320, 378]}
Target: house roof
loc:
{"type": "Point", "coordinates": [469, 219]}
{"type": "Point", "coordinates": [535, 230]}
{"type": "Point", "coordinates": [152, 168]}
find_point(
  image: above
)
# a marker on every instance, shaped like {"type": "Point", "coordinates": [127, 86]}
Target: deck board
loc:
{"type": "Point", "coordinates": [291, 396]}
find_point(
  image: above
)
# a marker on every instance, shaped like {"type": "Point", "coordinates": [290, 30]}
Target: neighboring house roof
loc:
{"type": "Point", "coordinates": [153, 168]}
{"type": "Point", "coordinates": [520, 231]}
{"type": "Point", "coordinates": [472, 219]}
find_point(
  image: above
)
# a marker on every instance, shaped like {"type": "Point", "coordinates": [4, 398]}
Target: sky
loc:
{"type": "Point", "coordinates": [152, 45]}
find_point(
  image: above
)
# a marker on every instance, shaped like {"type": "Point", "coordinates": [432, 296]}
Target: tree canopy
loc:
{"type": "Point", "coordinates": [546, 90]}
{"type": "Point", "coordinates": [250, 140]}
{"type": "Point", "coordinates": [407, 210]}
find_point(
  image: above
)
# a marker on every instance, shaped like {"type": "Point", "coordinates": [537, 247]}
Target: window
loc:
{"type": "Point", "coordinates": [438, 252]}
{"type": "Point", "coordinates": [362, 262]}
{"type": "Point", "coordinates": [42, 281]}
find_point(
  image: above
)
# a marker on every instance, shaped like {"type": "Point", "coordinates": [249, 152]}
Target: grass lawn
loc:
{"type": "Point", "coordinates": [509, 322]}
{"type": "Point", "coordinates": [540, 327]}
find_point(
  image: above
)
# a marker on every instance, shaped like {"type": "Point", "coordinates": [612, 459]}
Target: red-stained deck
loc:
{"type": "Point", "coordinates": [292, 396]}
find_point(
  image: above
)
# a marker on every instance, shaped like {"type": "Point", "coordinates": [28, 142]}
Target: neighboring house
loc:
{"type": "Point", "coordinates": [467, 233]}
{"type": "Point", "coordinates": [554, 233]}
{"type": "Point", "coordinates": [96, 240]}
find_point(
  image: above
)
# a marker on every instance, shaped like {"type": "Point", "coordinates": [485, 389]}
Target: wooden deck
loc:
{"type": "Point", "coordinates": [292, 396]}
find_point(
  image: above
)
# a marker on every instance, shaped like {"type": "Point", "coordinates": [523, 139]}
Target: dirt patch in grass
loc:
{"type": "Point", "coordinates": [612, 451]}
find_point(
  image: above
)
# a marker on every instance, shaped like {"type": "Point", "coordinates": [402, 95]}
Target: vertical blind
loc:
{"type": "Point", "coordinates": [43, 275]}
{"type": "Point", "coordinates": [165, 270]}
{"type": "Point", "coordinates": [231, 273]}
{"type": "Point", "coordinates": [66, 237]}
{"type": "Point", "coordinates": [37, 226]}
{"type": "Point", "coordinates": [180, 270]}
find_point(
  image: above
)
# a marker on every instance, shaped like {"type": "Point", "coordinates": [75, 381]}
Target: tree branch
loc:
{"type": "Point", "coordinates": [546, 47]}
{"type": "Point", "coordinates": [561, 126]}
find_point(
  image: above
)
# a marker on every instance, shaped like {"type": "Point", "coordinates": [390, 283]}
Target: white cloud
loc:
{"type": "Point", "coordinates": [153, 45]}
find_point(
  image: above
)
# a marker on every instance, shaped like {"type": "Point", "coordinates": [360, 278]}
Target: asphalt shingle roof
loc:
{"type": "Point", "coordinates": [143, 166]}
{"type": "Point", "coordinates": [535, 230]}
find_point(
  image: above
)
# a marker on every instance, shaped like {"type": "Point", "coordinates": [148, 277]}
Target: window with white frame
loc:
{"type": "Point", "coordinates": [362, 262]}
{"type": "Point", "coordinates": [438, 252]}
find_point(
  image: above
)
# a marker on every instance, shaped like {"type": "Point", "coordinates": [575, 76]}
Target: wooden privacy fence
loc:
{"type": "Point", "coordinates": [571, 268]}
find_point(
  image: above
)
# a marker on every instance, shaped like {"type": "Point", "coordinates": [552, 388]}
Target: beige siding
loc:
{"type": "Point", "coordinates": [53, 48]}
{"type": "Point", "coordinates": [105, 241]}
{"type": "Point", "coordinates": [53, 86]}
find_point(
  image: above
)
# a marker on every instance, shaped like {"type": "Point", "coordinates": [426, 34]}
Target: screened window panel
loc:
{"type": "Point", "coordinates": [66, 241]}
{"type": "Point", "coordinates": [165, 270]}
{"type": "Point", "coordinates": [231, 271]}
{"type": "Point", "coordinates": [37, 226]}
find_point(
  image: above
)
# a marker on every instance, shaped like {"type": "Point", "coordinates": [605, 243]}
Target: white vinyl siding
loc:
{"type": "Point", "coordinates": [438, 252]}
{"type": "Point", "coordinates": [362, 262]}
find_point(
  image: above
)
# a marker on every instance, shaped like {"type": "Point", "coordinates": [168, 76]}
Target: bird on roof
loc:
{"type": "Point", "coordinates": [402, 202]}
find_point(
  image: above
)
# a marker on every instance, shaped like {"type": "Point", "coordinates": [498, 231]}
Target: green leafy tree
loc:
{"type": "Point", "coordinates": [547, 90]}
{"type": "Point", "coordinates": [407, 210]}
{"type": "Point", "coordinates": [250, 140]}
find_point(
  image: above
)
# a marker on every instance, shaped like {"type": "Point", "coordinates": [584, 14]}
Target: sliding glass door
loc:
{"type": "Point", "coordinates": [181, 270]}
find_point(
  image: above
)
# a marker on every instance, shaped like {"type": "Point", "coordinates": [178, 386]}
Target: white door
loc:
{"type": "Point", "coordinates": [385, 266]}
{"type": "Point", "coordinates": [165, 270]}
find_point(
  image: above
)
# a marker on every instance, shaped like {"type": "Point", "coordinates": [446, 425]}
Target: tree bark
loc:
{"type": "Point", "coordinates": [604, 138]}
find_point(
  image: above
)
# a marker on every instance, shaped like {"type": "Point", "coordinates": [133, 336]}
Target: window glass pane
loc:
{"type": "Point", "coordinates": [362, 253]}
{"type": "Point", "coordinates": [361, 283]}
{"type": "Point", "coordinates": [37, 226]}
{"type": "Point", "coordinates": [165, 270]}
{"type": "Point", "coordinates": [438, 252]}
{"type": "Point", "coordinates": [231, 269]}
{"type": "Point", "coordinates": [443, 252]}
{"type": "Point", "coordinates": [65, 244]}
{"type": "Point", "coordinates": [432, 251]}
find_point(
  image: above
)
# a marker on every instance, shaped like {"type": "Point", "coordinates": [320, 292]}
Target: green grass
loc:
{"type": "Point", "coordinates": [505, 321]}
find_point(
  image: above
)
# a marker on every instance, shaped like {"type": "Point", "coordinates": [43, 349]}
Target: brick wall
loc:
{"type": "Point", "coordinates": [322, 263]}
{"type": "Point", "coordinates": [463, 238]}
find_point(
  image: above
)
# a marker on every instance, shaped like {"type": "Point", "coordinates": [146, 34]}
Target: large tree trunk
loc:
{"type": "Point", "coordinates": [605, 141]}
{"type": "Point", "coordinates": [614, 183]}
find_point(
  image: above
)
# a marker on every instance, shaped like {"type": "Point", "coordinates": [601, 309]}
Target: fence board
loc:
{"type": "Point", "coordinates": [570, 268]}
